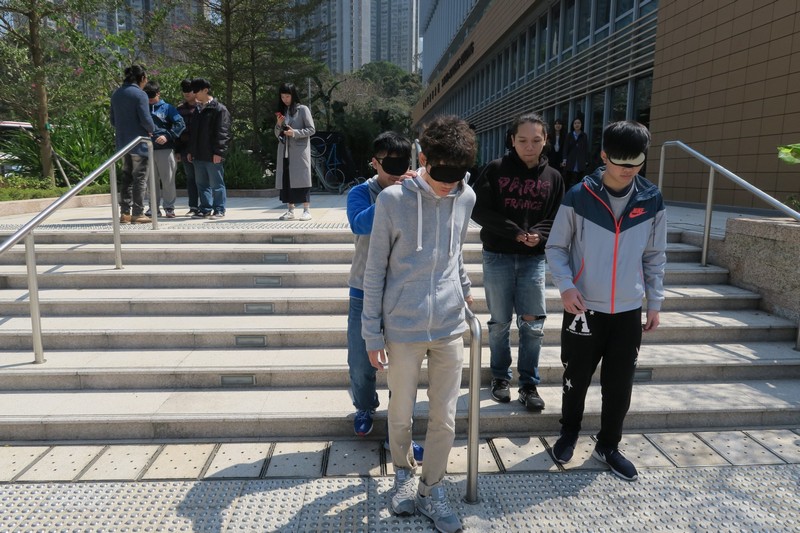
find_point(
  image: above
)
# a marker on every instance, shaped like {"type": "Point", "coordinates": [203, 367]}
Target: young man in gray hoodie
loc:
{"type": "Point", "coordinates": [415, 292]}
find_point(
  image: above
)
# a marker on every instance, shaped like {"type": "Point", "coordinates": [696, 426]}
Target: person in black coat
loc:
{"type": "Point", "coordinates": [576, 154]}
{"type": "Point", "coordinates": [555, 143]}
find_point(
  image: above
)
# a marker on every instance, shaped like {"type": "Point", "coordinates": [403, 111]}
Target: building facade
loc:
{"type": "Point", "coordinates": [719, 75]}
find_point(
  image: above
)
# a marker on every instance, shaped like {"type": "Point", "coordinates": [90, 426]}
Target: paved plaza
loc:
{"type": "Point", "coordinates": [746, 480]}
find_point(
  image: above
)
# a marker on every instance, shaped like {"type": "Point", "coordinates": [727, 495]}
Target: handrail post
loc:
{"type": "Point", "coordinates": [707, 228]}
{"type": "Point", "coordinates": [473, 418]}
{"type": "Point", "coordinates": [661, 162]}
{"type": "Point", "coordinates": [33, 296]}
{"type": "Point", "coordinates": [112, 180]}
{"type": "Point", "coordinates": [151, 179]}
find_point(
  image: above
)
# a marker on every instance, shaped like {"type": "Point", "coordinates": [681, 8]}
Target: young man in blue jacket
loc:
{"type": "Point", "coordinates": [169, 127]}
{"type": "Point", "coordinates": [606, 252]}
{"type": "Point", "coordinates": [415, 291]}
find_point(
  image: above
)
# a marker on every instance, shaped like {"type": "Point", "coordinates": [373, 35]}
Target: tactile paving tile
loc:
{"type": "Point", "coordinates": [523, 454]}
{"type": "Point", "coordinates": [642, 453]}
{"type": "Point", "coordinates": [120, 462]}
{"type": "Point", "coordinates": [685, 449]}
{"type": "Point", "coordinates": [179, 461]}
{"type": "Point", "coordinates": [238, 460]}
{"type": "Point", "coordinates": [739, 449]}
{"type": "Point", "coordinates": [582, 458]}
{"type": "Point", "coordinates": [62, 463]}
{"type": "Point", "coordinates": [268, 505]}
{"type": "Point", "coordinates": [14, 459]}
{"type": "Point", "coordinates": [782, 442]}
{"type": "Point", "coordinates": [458, 460]}
{"type": "Point", "coordinates": [19, 500]}
{"type": "Point", "coordinates": [334, 504]}
{"type": "Point", "coordinates": [297, 459]}
{"type": "Point", "coordinates": [354, 458]}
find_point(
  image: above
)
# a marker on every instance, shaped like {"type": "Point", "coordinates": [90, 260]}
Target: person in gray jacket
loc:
{"type": "Point", "coordinates": [294, 129]}
{"type": "Point", "coordinates": [606, 253]}
{"type": "Point", "coordinates": [415, 291]}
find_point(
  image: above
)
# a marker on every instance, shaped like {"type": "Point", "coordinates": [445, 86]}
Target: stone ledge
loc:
{"type": "Point", "coordinates": [762, 255]}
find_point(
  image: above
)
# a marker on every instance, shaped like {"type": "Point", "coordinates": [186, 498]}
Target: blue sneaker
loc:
{"type": "Point", "coordinates": [362, 424]}
{"type": "Point", "coordinates": [419, 451]}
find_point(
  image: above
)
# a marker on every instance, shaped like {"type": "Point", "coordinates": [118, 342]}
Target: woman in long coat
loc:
{"type": "Point", "coordinates": [294, 130]}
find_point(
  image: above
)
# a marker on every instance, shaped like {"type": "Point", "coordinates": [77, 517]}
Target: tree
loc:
{"type": "Point", "coordinates": [24, 27]}
{"type": "Point", "coordinates": [243, 47]}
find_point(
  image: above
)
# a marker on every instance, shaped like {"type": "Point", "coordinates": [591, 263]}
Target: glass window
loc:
{"type": "Point", "coordinates": [569, 29]}
{"type": "Point", "coordinates": [532, 48]}
{"type": "Point", "coordinates": [647, 6]}
{"type": "Point", "coordinates": [513, 64]}
{"type": "Point", "coordinates": [624, 13]}
{"type": "Point", "coordinates": [595, 133]}
{"type": "Point", "coordinates": [555, 16]}
{"type": "Point", "coordinates": [584, 23]}
{"type": "Point", "coordinates": [641, 99]}
{"type": "Point", "coordinates": [602, 16]}
{"type": "Point", "coordinates": [619, 101]}
{"type": "Point", "coordinates": [542, 44]}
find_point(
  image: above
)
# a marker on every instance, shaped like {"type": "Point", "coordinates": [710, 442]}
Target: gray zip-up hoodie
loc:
{"type": "Point", "coordinates": [415, 283]}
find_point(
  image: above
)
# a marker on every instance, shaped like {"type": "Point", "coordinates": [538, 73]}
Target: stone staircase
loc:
{"type": "Point", "coordinates": [240, 332]}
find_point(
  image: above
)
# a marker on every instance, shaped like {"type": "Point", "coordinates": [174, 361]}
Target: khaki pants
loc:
{"type": "Point", "coordinates": [445, 358]}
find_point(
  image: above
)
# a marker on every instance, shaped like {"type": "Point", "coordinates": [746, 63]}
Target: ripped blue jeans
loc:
{"type": "Point", "coordinates": [514, 284]}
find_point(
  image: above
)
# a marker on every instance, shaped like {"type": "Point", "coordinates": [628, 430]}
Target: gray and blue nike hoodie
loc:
{"type": "Point", "coordinates": [614, 263]}
{"type": "Point", "coordinates": [415, 283]}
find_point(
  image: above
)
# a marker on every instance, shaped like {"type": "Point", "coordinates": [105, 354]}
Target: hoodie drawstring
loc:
{"type": "Point", "coordinates": [419, 220]}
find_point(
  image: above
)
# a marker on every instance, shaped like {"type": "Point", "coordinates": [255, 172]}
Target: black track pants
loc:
{"type": "Point", "coordinates": [585, 339]}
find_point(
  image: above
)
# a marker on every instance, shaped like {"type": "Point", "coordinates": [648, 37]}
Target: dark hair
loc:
{"type": "Point", "coordinates": [625, 139]}
{"type": "Point", "coordinates": [448, 140]}
{"type": "Point", "coordinates": [288, 88]}
{"type": "Point", "coordinates": [532, 118]}
{"type": "Point", "coordinates": [391, 143]}
{"type": "Point", "coordinates": [186, 85]}
{"type": "Point", "coordinates": [198, 84]}
{"type": "Point", "coordinates": [135, 74]}
{"type": "Point", "coordinates": [152, 88]}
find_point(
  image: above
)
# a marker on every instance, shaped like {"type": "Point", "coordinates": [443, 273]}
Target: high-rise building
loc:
{"type": "Point", "coordinates": [394, 33]}
{"type": "Point", "coordinates": [718, 75]}
{"type": "Point", "coordinates": [357, 32]}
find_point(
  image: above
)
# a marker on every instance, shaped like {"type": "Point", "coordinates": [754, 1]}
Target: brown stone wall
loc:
{"type": "Point", "coordinates": [726, 82]}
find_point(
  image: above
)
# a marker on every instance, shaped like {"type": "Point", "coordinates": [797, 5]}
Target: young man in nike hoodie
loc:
{"type": "Point", "coordinates": [606, 253]}
{"type": "Point", "coordinates": [415, 292]}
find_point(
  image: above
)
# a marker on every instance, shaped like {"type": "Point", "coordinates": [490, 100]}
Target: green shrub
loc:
{"type": "Point", "coordinates": [10, 190]}
{"type": "Point", "coordinates": [244, 171]}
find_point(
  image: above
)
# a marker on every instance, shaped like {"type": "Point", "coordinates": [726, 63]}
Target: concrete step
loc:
{"type": "Point", "coordinates": [250, 253]}
{"type": "Point", "coordinates": [327, 412]}
{"type": "Point", "coordinates": [272, 233]}
{"type": "Point", "coordinates": [327, 367]}
{"type": "Point", "coordinates": [261, 275]}
{"type": "Point", "coordinates": [299, 301]}
{"type": "Point", "coordinates": [300, 331]}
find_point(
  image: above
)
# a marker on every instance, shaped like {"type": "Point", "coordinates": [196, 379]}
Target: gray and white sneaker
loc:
{"type": "Point", "coordinates": [288, 215]}
{"type": "Point", "coordinates": [404, 491]}
{"type": "Point", "coordinates": [436, 507]}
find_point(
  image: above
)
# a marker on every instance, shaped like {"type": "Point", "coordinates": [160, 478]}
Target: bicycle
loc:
{"type": "Point", "coordinates": [324, 152]}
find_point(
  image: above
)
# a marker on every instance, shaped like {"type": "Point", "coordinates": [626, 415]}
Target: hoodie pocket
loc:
{"type": "Point", "coordinates": [448, 304]}
{"type": "Point", "coordinates": [410, 309]}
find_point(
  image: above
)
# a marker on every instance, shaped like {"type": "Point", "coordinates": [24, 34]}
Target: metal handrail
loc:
{"type": "Point", "coordinates": [26, 231]}
{"type": "Point", "coordinates": [473, 418]}
{"type": "Point", "coordinates": [715, 167]}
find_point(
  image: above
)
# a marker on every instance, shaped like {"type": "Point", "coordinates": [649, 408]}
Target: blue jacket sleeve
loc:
{"type": "Point", "coordinates": [178, 124]}
{"type": "Point", "coordinates": [143, 112]}
{"type": "Point", "coordinates": [360, 210]}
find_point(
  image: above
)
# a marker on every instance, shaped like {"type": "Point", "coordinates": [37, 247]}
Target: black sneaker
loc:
{"type": "Point", "coordinates": [618, 463]}
{"type": "Point", "coordinates": [500, 390]}
{"type": "Point", "coordinates": [530, 398]}
{"type": "Point", "coordinates": [565, 447]}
